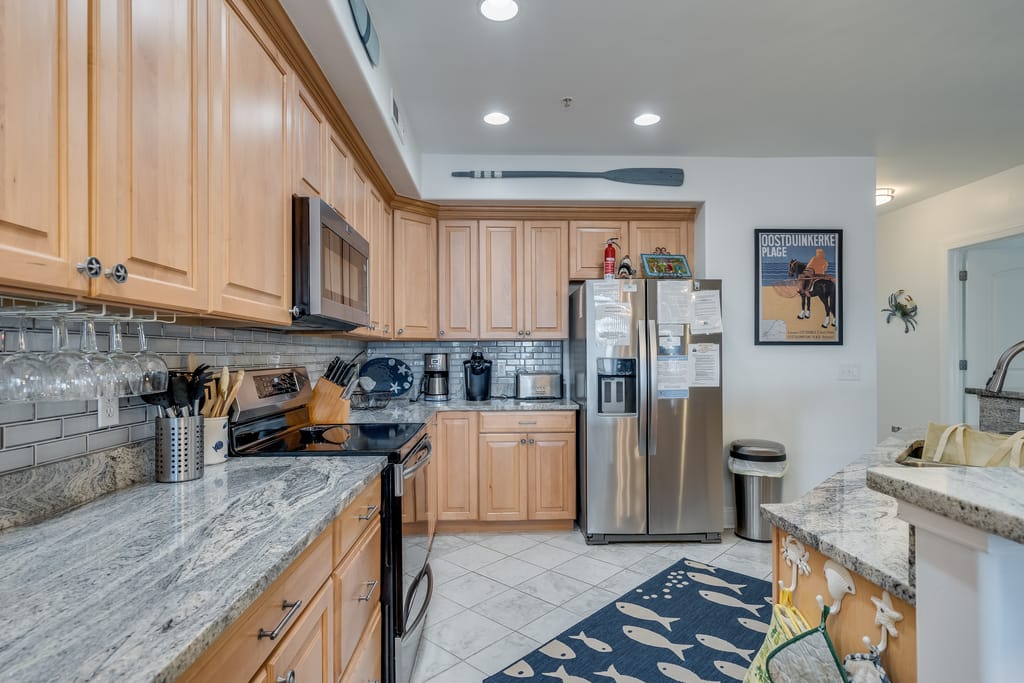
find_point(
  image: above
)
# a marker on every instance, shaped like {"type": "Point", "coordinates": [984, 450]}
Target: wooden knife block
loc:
{"type": "Point", "coordinates": [327, 405]}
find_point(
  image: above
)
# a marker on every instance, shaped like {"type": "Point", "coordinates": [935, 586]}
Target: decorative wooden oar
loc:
{"type": "Point", "coordinates": [636, 176]}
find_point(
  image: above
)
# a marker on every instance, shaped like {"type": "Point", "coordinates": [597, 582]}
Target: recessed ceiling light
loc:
{"type": "Point", "coordinates": [884, 195]}
{"type": "Point", "coordinates": [496, 118]}
{"type": "Point", "coordinates": [646, 119]}
{"type": "Point", "coordinates": [499, 10]}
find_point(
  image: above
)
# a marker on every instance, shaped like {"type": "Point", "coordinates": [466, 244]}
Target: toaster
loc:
{"type": "Point", "coordinates": [538, 385]}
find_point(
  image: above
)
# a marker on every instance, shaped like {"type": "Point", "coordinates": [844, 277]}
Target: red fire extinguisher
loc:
{"type": "Point", "coordinates": [609, 259]}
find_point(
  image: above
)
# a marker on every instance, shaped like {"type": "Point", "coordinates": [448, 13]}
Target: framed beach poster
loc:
{"type": "Point", "coordinates": [798, 296]}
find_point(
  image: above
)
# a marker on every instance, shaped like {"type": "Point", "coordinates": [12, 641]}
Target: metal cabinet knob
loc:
{"type": "Point", "coordinates": [387, 328]}
{"type": "Point", "coordinates": [441, 333]}
{"type": "Point", "coordinates": [119, 273]}
{"type": "Point", "coordinates": [532, 442]}
{"type": "Point", "coordinates": [91, 267]}
{"type": "Point", "coordinates": [295, 311]}
{"type": "Point", "coordinates": [522, 441]}
{"type": "Point", "coordinates": [290, 679]}
{"type": "Point", "coordinates": [520, 333]}
{"type": "Point", "coordinates": [401, 330]}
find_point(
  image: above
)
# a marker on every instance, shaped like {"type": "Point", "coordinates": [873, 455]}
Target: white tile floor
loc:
{"type": "Point", "coordinates": [499, 596]}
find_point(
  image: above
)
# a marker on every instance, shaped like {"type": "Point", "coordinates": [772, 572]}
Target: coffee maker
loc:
{"type": "Point", "coordinates": [435, 377]}
{"type": "Point", "coordinates": [478, 377]}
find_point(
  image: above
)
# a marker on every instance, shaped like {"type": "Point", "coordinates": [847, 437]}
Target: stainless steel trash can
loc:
{"type": "Point", "coordinates": [757, 467]}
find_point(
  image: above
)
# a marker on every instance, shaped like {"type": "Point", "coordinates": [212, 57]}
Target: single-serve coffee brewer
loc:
{"type": "Point", "coordinates": [435, 377]}
{"type": "Point", "coordinates": [478, 377]}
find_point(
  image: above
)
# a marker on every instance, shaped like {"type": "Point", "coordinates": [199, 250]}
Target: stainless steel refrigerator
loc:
{"type": "Point", "coordinates": [644, 362]}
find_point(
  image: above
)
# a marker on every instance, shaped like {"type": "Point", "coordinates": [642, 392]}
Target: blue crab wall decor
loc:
{"type": "Point", "coordinates": [902, 306]}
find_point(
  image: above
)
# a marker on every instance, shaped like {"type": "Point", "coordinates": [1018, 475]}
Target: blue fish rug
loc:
{"type": "Point", "coordinates": [692, 623]}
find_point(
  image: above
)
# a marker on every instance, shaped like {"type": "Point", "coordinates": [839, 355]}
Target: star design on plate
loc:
{"type": "Point", "coordinates": [404, 370]}
{"type": "Point", "coordinates": [394, 386]}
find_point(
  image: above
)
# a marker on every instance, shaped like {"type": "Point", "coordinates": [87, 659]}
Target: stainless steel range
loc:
{"type": "Point", "coordinates": [272, 419]}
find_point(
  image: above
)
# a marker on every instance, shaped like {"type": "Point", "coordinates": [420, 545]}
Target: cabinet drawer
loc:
{"type": "Point", "coordinates": [239, 652]}
{"type": "Point", "coordinates": [357, 595]}
{"type": "Point", "coordinates": [541, 421]}
{"type": "Point", "coordinates": [365, 665]}
{"type": "Point", "coordinates": [305, 653]}
{"type": "Point", "coordinates": [359, 516]}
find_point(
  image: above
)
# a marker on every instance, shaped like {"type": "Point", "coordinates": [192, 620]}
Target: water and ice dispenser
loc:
{"type": "Point", "coordinates": [616, 386]}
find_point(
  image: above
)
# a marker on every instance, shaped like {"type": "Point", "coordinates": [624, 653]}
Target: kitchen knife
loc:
{"type": "Point", "coordinates": [331, 368]}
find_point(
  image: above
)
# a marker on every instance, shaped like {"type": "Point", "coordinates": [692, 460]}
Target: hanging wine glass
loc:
{"type": "Point", "coordinates": [72, 375]}
{"type": "Point", "coordinates": [108, 380]}
{"type": "Point", "coordinates": [128, 369]}
{"type": "Point", "coordinates": [23, 376]}
{"type": "Point", "coordinates": [154, 369]}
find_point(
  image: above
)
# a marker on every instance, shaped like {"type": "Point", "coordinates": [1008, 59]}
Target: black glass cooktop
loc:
{"type": "Point", "coordinates": [343, 439]}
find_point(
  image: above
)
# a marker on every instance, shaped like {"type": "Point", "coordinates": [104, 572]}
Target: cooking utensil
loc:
{"type": "Point", "coordinates": [236, 384]}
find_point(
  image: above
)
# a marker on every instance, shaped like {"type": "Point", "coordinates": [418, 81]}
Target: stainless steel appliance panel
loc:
{"type": "Point", "coordinates": [685, 446]}
{"type": "Point", "coordinates": [615, 469]}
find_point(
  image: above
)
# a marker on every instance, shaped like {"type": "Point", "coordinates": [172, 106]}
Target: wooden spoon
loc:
{"type": "Point", "coordinates": [232, 393]}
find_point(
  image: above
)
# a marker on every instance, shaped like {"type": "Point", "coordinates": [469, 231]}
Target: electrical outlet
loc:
{"type": "Point", "coordinates": [109, 411]}
{"type": "Point", "coordinates": [849, 372]}
{"type": "Point", "coordinates": [1022, 414]}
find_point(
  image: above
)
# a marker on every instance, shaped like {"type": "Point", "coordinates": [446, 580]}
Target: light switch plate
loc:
{"type": "Point", "coordinates": [1022, 414]}
{"type": "Point", "coordinates": [109, 412]}
{"type": "Point", "coordinates": [849, 372]}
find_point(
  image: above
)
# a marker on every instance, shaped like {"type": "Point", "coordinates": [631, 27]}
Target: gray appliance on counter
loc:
{"type": "Point", "coordinates": [645, 366]}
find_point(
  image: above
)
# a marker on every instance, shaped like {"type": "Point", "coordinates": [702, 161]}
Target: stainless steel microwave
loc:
{"type": "Point", "coordinates": [330, 269]}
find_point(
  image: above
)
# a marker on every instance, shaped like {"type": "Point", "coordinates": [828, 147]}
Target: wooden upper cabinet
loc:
{"type": "Point", "coordinates": [646, 236]}
{"type": "Point", "coordinates": [338, 190]}
{"type": "Point", "coordinates": [311, 131]}
{"type": "Point", "coordinates": [251, 178]}
{"type": "Point", "coordinates": [501, 279]}
{"type": "Point", "coordinates": [359, 214]}
{"type": "Point", "coordinates": [546, 282]}
{"type": "Point", "coordinates": [586, 246]}
{"type": "Point", "coordinates": [44, 146]}
{"type": "Point", "coordinates": [150, 152]}
{"type": "Point", "coordinates": [458, 279]}
{"type": "Point", "coordinates": [385, 272]}
{"type": "Point", "coordinates": [415, 276]}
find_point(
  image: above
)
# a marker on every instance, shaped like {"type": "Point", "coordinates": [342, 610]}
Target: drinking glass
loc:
{"type": "Point", "coordinates": [128, 369]}
{"type": "Point", "coordinates": [72, 376]}
{"type": "Point", "coordinates": [108, 379]}
{"type": "Point", "coordinates": [23, 376]}
{"type": "Point", "coordinates": [154, 369]}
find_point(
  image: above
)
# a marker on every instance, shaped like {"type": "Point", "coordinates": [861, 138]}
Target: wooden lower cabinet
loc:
{"type": "Point", "coordinates": [551, 476]}
{"type": "Point", "coordinates": [457, 466]}
{"type": "Point", "coordinates": [304, 654]}
{"type": "Point", "coordinates": [503, 477]}
{"type": "Point", "coordinates": [365, 666]}
{"type": "Point", "coordinates": [357, 584]}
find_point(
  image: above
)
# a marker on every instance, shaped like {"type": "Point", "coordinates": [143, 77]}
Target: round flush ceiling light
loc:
{"type": "Point", "coordinates": [499, 10]}
{"type": "Point", "coordinates": [646, 119]}
{"type": "Point", "coordinates": [496, 118]}
{"type": "Point", "coordinates": [884, 195]}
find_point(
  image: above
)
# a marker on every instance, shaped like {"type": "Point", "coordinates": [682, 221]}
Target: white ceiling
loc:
{"type": "Point", "coordinates": [933, 88]}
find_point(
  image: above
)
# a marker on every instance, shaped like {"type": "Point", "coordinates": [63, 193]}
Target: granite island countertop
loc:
{"type": "Point", "coordinates": [848, 522]}
{"type": "Point", "coordinates": [134, 586]}
{"type": "Point", "coordinates": [401, 410]}
{"type": "Point", "coordinates": [987, 498]}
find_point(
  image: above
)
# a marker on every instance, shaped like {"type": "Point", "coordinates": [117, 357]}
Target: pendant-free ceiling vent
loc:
{"type": "Point", "coordinates": [367, 34]}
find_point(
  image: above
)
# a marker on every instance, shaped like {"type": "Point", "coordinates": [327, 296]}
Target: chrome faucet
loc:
{"type": "Point", "coordinates": [995, 382]}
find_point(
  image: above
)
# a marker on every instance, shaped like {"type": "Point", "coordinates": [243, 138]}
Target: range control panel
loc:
{"type": "Point", "coordinates": [287, 382]}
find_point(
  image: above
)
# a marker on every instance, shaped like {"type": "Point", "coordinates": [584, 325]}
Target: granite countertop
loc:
{"type": "Point", "coordinates": [401, 410]}
{"type": "Point", "coordinates": [987, 498]}
{"type": "Point", "coordinates": [994, 394]}
{"type": "Point", "coordinates": [857, 527]}
{"type": "Point", "coordinates": [136, 585]}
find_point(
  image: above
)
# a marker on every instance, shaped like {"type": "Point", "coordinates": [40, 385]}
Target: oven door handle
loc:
{"type": "Point", "coordinates": [428, 574]}
{"type": "Point", "coordinates": [402, 472]}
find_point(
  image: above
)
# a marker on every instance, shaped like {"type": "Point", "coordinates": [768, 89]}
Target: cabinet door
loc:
{"type": "Point", "coordinates": [386, 271]}
{"type": "Point", "coordinates": [44, 145]}
{"type": "Point", "coordinates": [378, 271]}
{"type": "Point", "coordinates": [546, 282]}
{"type": "Point", "coordinates": [458, 278]}
{"type": "Point", "coordinates": [306, 650]}
{"type": "Point", "coordinates": [646, 236]}
{"type": "Point", "coordinates": [150, 156]}
{"type": "Point", "coordinates": [552, 476]}
{"type": "Point", "coordinates": [365, 666]}
{"type": "Point", "coordinates": [501, 280]}
{"type": "Point", "coordinates": [357, 596]}
{"type": "Point", "coordinates": [503, 482]}
{"type": "Point", "coordinates": [457, 471]}
{"type": "Point", "coordinates": [251, 179]}
{"type": "Point", "coordinates": [339, 175]}
{"type": "Point", "coordinates": [311, 132]}
{"type": "Point", "coordinates": [586, 246]}
{"type": "Point", "coordinates": [360, 187]}
{"type": "Point", "coordinates": [415, 276]}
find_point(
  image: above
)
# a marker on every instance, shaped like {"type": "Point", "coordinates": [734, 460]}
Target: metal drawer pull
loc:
{"type": "Point", "coordinates": [527, 423]}
{"type": "Point", "coordinates": [370, 511]}
{"type": "Point", "coordinates": [369, 593]}
{"type": "Point", "coordinates": [290, 679]}
{"type": "Point", "coordinates": [295, 606]}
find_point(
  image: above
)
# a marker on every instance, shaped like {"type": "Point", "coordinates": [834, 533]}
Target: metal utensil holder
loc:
{"type": "Point", "coordinates": [179, 448]}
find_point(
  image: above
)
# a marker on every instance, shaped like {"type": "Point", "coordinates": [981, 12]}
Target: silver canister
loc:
{"type": "Point", "coordinates": [179, 448]}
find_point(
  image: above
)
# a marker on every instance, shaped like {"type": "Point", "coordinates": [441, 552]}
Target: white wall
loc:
{"type": "Point", "coordinates": [788, 394]}
{"type": "Point", "coordinates": [915, 371]}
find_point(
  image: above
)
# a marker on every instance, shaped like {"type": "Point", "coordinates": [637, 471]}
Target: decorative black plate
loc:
{"type": "Point", "coordinates": [390, 374]}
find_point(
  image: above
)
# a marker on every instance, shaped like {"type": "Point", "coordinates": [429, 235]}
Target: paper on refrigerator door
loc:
{"type": "Point", "coordinates": [705, 366]}
{"type": "Point", "coordinates": [673, 377]}
{"type": "Point", "coordinates": [675, 302]}
{"type": "Point", "coordinates": [607, 291]}
{"type": "Point", "coordinates": [707, 312]}
{"type": "Point", "coordinates": [612, 324]}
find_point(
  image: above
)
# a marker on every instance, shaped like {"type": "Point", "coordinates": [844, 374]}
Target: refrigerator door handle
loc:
{"type": "Point", "coordinates": [652, 395]}
{"type": "Point", "coordinates": [642, 389]}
